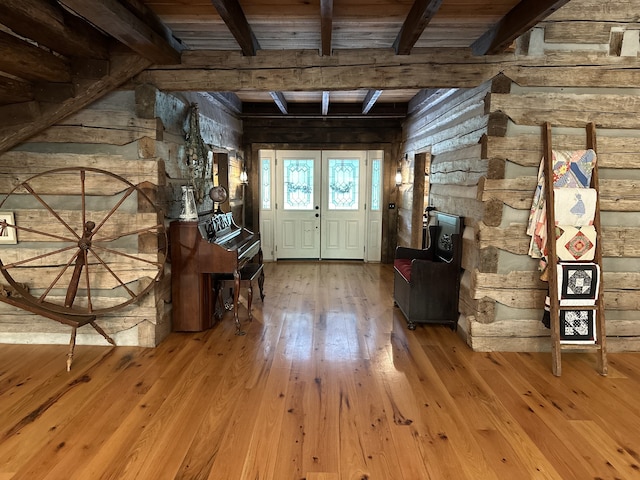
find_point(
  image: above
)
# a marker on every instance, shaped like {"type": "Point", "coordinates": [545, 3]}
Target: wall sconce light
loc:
{"type": "Point", "coordinates": [244, 177]}
{"type": "Point", "coordinates": [398, 177]}
{"type": "Point", "coordinates": [399, 170]}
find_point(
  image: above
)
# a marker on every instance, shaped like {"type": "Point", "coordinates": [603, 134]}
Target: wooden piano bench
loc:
{"type": "Point", "coordinates": [248, 274]}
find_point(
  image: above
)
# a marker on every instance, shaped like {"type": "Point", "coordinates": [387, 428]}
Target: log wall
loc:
{"type": "Point", "coordinates": [453, 125]}
{"type": "Point", "coordinates": [487, 146]}
{"type": "Point", "coordinates": [139, 135]}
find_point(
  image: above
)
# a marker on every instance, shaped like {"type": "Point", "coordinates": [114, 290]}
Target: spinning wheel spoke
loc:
{"type": "Point", "coordinates": [154, 228]}
{"type": "Point", "coordinates": [37, 257]}
{"type": "Point", "coordinates": [49, 209]}
{"type": "Point", "coordinates": [83, 175]}
{"type": "Point", "coordinates": [122, 284]}
{"type": "Point", "coordinates": [88, 281]}
{"type": "Point", "coordinates": [58, 277]}
{"type": "Point", "coordinates": [132, 257]}
{"type": "Point", "coordinates": [44, 234]}
{"type": "Point", "coordinates": [129, 191]}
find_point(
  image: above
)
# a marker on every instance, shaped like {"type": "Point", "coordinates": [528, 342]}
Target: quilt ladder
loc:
{"type": "Point", "coordinates": [557, 346]}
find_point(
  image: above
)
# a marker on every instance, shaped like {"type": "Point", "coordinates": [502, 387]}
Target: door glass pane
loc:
{"type": "Point", "coordinates": [298, 184]}
{"type": "Point", "coordinates": [265, 187]}
{"type": "Point", "coordinates": [344, 177]}
{"type": "Point", "coordinates": [376, 178]}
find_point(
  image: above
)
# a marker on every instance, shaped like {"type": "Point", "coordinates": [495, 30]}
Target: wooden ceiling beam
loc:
{"type": "Point", "coordinates": [236, 21]}
{"type": "Point", "coordinates": [370, 100]}
{"type": "Point", "coordinates": [313, 109]}
{"type": "Point", "coordinates": [122, 67]}
{"type": "Point", "coordinates": [12, 90]}
{"type": "Point", "coordinates": [280, 101]}
{"type": "Point", "coordinates": [25, 60]}
{"type": "Point", "coordinates": [519, 20]}
{"type": "Point", "coordinates": [19, 113]}
{"type": "Point", "coordinates": [421, 13]}
{"type": "Point", "coordinates": [326, 26]}
{"type": "Point", "coordinates": [115, 19]}
{"type": "Point", "coordinates": [50, 25]}
{"type": "Point", "coordinates": [229, 100]}
{"type": "Point", "coordinates": [305, 70]}
{"type": "Point", "coordinates": [325, 102]}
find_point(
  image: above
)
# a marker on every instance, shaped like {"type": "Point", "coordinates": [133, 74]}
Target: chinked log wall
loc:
{"type": "Point", "coordinates": [488, 173]}
{"type": "Point", "coordinates": [139, 136]}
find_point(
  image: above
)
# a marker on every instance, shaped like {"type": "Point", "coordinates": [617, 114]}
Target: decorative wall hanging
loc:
{"type": "Point", "coordinates": [7, 228]}
{"type": "Point", "coordinates": [576, 243]}
{"type": "Point", "coordinates": [577, 326]}
{"type": "Point", "coordinates": [197, 155]}
{"type": "Point", "coordinates": [578, 283]}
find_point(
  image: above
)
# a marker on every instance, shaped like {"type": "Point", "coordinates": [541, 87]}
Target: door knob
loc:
{"type": "Point", "coordinates": [317, 215]}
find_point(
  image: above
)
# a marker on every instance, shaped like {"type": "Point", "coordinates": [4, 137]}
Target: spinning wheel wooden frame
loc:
{"type": "Point", "coordinates": [94, 245]}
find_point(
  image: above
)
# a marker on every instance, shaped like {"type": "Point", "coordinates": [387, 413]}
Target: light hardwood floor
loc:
{"type": "Point", "coordinates": [327, 384]}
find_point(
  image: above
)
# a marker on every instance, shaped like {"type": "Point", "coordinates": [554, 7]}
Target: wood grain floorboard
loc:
{"type": "Point", "coordinates": [327, 384]}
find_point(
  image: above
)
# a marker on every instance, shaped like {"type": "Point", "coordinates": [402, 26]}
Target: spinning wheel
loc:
{"type": "Point", "coordinates": [90, 242]}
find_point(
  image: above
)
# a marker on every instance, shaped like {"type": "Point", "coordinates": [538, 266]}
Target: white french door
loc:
{"type": "Point", "coordinates": [297, 222]}
{"type": "Point", "coordinates": [327, 204]}
{"type": "Point", "coordinates": [343, 191]}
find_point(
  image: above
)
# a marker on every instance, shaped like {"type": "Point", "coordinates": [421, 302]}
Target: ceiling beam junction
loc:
{"type": "Point", "coordinates": [280, 101]}
{"type": "Point", "coordinates": [115, 19]}
{"type": "Point", "coordinates": [421, 13]}
{"type": "Point", "coordinates": [325, 102]}
{"type": "Point", "coordinates": [24, 60]}
{"type": "Point", "coordinates": [519, 20]}
{"type": "Point", "coordinates": [326, 26]}
{"type": "Point", "coordinates": [370, 100]}
{"type": "Point", "coordinates": [236, 21]}
{"type": "Point", "coordinates": [50, 25]}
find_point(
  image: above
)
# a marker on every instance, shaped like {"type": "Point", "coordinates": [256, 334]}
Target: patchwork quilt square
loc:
{"type": "Point", "coordinates": [573, 168]}
{"type": "Point", "coordinates": [577, 326]}
{"type": "Point", "coordinates": [576, 243]}
{"type": "Point", "coordinates": [578, 283]}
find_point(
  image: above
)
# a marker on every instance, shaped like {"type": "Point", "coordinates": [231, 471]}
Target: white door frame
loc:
{"type": "Point", "coordinates": [270, 198]}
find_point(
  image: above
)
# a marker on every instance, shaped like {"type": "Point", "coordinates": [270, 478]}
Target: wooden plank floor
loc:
{"type": "Point", "coordinates": [327, 384]}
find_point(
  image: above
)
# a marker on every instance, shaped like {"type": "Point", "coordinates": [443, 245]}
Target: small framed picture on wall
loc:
{"type": "Point", "coordinates": [7, 229]}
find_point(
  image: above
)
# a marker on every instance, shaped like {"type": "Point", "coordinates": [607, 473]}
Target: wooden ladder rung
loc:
{"type": "Point", "coordinates": [574, 307]}
{"type": "Point", "coordinates": [580, 346]}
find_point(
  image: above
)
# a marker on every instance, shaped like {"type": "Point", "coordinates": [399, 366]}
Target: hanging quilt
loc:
{"type": "Point", "coordinates": [577, 326]}
{"type": "Point", "coordinates": [578, 283]}
{"type": "Point", "coordinates": [574, 206]}
{"type": "Point", "coordinates": [571, 169]}
{"type": "Point", "coordinates": [576, 243]}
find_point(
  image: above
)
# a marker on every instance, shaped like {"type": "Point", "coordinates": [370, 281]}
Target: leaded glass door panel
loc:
{"type": "Point", "coordinates": [342, 230]}
{"type": "Point", "coordinates": [298, 203]}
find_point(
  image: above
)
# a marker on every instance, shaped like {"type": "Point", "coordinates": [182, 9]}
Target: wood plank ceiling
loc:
{"type": "Point", "coordinates": [57, 56]}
